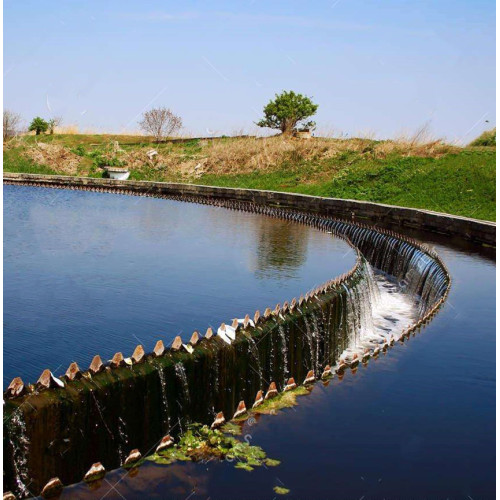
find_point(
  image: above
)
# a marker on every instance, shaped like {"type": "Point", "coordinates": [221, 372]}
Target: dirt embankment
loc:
{"type": "Point", "coordinates": [59, 158]}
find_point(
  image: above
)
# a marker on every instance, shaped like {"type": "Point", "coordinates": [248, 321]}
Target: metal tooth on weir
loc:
{"type": "Point", "coordinates": [246, 321]}
{"type": "Point", "coordinates": [176, 344]}
{"type": "Point", "coordinates": [267, 312]}
{"type": "Point", "coordinates": [259, 399]}
{"type": "Point", "coordinates": [133, 457]}
{"type": "Point", "coordinates": [159, 349]}
{"type": "Point", "coordinates": [209, 333]}
{"type": "Point", "coordinates": [96, 365]}
{"type": "Point", "coordinates": [310, 378]}
{"type": "Point", "coordinates": [8, 495]}
{"type": "Point", "coordinates": [219, 420]}
{"type": "Point", "coordinates": [354, 360]}
{"type": "Point", "coordinates": [256, 317]}
{"type": "Point", "coordinates": [96, 472]}
{"type": "Point", "coordinates": [166, 442]}
{"type": "Point", "coordinates": [138, 355]}
{"type": "Point", "coordinates": [195, 338]}
{"type": "Point", "coordinates": [52, 489]}
{"type": "Point", "coordinates": [326, 372]}
{"type": "Point", "coordinates": [272, 391]}
{"type": "Point", "coordinates": [117, 360]}
{"type": "Point", "coordinates": [73, 372]}
{"type": "Point", "coordinates": [235, 323]}
{"type": "Point", "coordinates": [290, 384]}
{"type": "Point", "coordinates": [241, 410]}
{"type": "Point", "coordinates": [16, 388]}
{"type": "Point", "coordinates": [48, 381]}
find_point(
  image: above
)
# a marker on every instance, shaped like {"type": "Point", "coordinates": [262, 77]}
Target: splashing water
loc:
{"type": "Point", "coordinates": [123, 439]}
{"type": "Point", "coordinates": [163, 386]}
{"type": "Point", "coordinates": [381, 312]}
{"type": "Point", "coordinates": [20, 445]}
{"type": "Point", "coordinates": [180, 372]}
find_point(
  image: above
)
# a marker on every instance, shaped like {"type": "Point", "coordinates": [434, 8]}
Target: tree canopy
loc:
{"type": "Point", "coordinates": [39, 125]}
{"type": "Point", "coordinates": [288, 111]}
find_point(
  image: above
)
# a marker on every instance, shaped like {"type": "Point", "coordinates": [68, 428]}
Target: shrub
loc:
{"type": "Point", "coordinates": [79, 150]}
{"type": "Point", "coordinates": [487, 138]}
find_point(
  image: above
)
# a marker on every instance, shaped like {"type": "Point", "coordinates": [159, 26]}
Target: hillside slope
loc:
{"type": "Point", "coordinates": [433, 176]}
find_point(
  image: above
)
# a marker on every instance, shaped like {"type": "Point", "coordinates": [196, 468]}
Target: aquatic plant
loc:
{"type": "Point", "coordinates": [201, 444]}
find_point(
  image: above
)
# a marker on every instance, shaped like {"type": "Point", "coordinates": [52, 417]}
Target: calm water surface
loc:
{"type": "Point", "coordinates": [85, 273]}
{"type": "Point", "coordinates": [417, 423]}
{"type": "Point", "coordinates": [91, 273]}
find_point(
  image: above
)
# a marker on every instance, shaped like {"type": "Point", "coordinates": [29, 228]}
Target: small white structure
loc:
{"type": "Point", "coordinates": [119, 173]}
{"type": "Point", "coordinates": [151, 154]}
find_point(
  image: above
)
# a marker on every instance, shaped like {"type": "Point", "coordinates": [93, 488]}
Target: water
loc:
{"type": "Point", "coordinates": [416, 422]}
{"type": "Point", "coordinates": [88, 273]}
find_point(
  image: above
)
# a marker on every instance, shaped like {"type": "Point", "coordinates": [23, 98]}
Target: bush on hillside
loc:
{"type": "Point", "coordinates": [487, 138]}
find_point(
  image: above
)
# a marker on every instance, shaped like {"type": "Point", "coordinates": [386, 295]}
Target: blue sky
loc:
{"type": "Point", "coordinates": [374, 67]}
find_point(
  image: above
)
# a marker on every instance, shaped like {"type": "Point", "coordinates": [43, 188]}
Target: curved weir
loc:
{"type": "Point", "coordinates": [101, 414]}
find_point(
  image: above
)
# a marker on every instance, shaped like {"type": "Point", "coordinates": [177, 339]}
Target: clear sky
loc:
{"type": "Point", "coordinates": [380, 67]}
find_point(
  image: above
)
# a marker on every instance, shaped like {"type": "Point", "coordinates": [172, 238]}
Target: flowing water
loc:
{"type": "Point", "coordinates": [391, 429]}
{"type": "Point", "coordinates": [418, 422]}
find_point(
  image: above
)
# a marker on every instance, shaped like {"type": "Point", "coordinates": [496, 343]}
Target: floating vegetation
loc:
{"type": "Point", "coordinates": [270, 462]}
{"type": "Point", "coordinates": [280, 490]}
{"type": "Point", "coordinates": [282, 400]}
{"type": "Point", "coordinates": [200, 443]}
{"type": "Point", "coordinates": [231, 428]}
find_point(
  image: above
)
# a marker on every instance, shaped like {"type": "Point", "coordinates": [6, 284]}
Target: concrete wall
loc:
{"type": "Point", "coordinates": [477, 231]}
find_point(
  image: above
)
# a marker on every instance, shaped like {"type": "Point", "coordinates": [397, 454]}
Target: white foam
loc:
{"type": "Point", "coordinates": [392, 311]}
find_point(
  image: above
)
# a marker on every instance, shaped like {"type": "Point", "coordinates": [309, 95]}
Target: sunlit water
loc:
{"type": "Point", "coordinates": [88, 273]}
{"type": "Point", "coordinates": [417, 422]}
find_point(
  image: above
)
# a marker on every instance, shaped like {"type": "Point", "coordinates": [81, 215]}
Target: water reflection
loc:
{"type": "Point", "coordinates": [281, 248]}
{"type": "Point", "coordinates": [88, 273]}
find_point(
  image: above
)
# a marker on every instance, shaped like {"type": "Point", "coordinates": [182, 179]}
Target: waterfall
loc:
{"type": "Point", "coordinates": [163, 387]}
{"type": "Point", "coordinates": [309, 340]}
{"type": "Point", "coordinates": [254, 355]}
{"type": "Point", "coordinates": [19, 443]}
{"type": "Point", "coordinates": [122, 440]}
{"type": "Point", "coordinates": [284, 350]}
{"type": "Point", "coordinates": [180, 372]}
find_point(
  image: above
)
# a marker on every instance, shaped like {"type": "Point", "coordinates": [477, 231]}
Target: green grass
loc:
{"type": "Point", "coordinates": [487, 138]}
{"type": "Point", "coordinates": [460, 184]}
{"type": "Point", "coordinates": [13, 161]}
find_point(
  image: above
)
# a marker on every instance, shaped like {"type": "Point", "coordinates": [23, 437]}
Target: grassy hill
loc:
{"type": "Point", "coordinates": [435, 176]}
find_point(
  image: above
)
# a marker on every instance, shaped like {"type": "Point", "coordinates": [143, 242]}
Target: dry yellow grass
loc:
{"type": "Point", "coordinates": [263, 154]}
{"type": "Point", "coordinates": [57, 157]}
{"type": "Point", "coordinates": [227, 156]}
{"type": "Point", "coordinates": [251, 154]}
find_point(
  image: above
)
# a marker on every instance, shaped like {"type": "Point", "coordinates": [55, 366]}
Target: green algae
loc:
{"type": "Point", "coordinates": [280, 490]}
{"type": "Point", "coordinates": [244, 466]}
{"type": "Point", "coordinates": [202, 444]}
{"type": "Point", "coordinates": [283, 400]}
{"type": "Point", "coordinates": [231, 428]}
{"type": "Point", "coordinates": [271, 462]}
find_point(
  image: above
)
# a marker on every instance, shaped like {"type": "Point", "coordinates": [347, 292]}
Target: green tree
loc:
{"type": "Point", "coordinates": [39, 125]}
{"type": "Point", "coordinates": [288, 111]}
